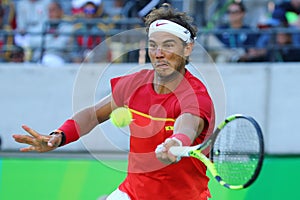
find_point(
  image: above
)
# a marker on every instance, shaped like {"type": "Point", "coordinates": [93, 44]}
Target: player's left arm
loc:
{"type": "Point", "coordinates": [80, 124]}
{"type": "Point", "coordinates": [187, 128]}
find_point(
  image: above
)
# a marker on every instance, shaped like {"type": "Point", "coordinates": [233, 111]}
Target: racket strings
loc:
{"type": "Point", "coordinates": [235, 152]}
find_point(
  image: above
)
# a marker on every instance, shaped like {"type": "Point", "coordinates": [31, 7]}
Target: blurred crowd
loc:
{"type": "Point", "coordinates": [275, 39]}
{"type": "Point", "coordinates": [54, 32]}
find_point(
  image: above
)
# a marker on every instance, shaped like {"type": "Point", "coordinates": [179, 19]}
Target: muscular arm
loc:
{"type": "Point", "coordinates": [90, 117]}
{"type": "Point", "coordinates": [187, 124]}
{"type": "Point", "coordinates": [87, 119]}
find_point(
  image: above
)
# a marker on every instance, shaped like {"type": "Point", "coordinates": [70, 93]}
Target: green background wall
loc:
{"type": "Point", "coordinates": [87, 179]}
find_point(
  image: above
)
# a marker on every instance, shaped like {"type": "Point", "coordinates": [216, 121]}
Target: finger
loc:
{"type": "Point", "coordinates": [169, 143]}
{"type": "Point", "coordinates": [171, 157]}
{"type": "Point", "coordinates": [43, 139]}
{"type": "Point", "coordinates": [27, 149]}
{"type": "Point", "coordinates": [30, 131]}
{"type": "Point", "coordinates": [53, 142]}
{"type": "Point", "coordinates": [160, 148]}
{"type": "Point", "coordinates": [164, 156]}
{"type": "Point", "coordinates": [24, 139]}
{"type": "Point", "coordinates": [165, 159]}
{"type": "Point", "coordinates": [167, 155]}
{"type": "Point", "coordinates": [162, 153]}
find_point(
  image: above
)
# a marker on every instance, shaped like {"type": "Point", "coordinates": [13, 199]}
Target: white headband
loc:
{"type": "Point", "coordinates": [170, 27]}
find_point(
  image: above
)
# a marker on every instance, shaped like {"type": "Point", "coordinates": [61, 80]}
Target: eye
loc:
{"type": "Point", "coordinates": [151, 46]}
{"type": "Point", "coordinates": [168, 46]}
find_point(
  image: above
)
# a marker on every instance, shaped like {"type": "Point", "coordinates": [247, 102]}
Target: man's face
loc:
{"type": "Point", "coordinates": [235, 13]}
{"type": "Point", "coordinates": [89, 11]}
{"type": "Point", "coordinates": [54, 12]}
{"type": "Point", "coordinates": [167, 53]}
{"type": "Point", "coordinates": [283, 38]}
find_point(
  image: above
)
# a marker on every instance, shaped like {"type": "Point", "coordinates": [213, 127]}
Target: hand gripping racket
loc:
{"type": "Point", "coordinates": [236, 152]}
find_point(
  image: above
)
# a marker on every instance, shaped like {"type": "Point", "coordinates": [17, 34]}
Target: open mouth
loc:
{"type": "Point", "coordinates": [162, 65]}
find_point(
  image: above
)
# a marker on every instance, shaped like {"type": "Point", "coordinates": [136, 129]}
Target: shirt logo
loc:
{"type": "Point", "coordinates": [169, 128]}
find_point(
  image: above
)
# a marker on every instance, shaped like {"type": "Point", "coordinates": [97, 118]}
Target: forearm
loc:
{"type": "Point", "coordinates": [85, 120]}
{"type": "Point", "coordinates": [188, 125]}
{"type": "Point", "coordinates": [88, 118]}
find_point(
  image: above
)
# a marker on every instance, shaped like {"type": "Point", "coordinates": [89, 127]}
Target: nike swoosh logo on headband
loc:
{"type": "Point", "coordinates": [159, 24]}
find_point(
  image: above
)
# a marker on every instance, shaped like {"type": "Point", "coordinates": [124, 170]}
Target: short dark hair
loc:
{"type": "Point", "coordinates": [169, 13]}
{"type": "Point", "coordinates": [239, 4]}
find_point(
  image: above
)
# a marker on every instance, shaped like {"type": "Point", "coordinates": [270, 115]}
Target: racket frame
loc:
{"type": "Point", "coordinates": [196, 151]}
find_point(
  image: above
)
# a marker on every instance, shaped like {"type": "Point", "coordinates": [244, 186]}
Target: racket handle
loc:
{"type": "Point", "coordinates": [180, 151]}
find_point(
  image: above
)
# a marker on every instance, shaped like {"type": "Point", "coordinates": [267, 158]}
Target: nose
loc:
{"type": "Point", "coordinates": [159, 53]}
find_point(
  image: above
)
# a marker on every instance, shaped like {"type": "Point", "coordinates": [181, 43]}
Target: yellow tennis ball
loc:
{"type": "Point", "coordinates": [121, 117]}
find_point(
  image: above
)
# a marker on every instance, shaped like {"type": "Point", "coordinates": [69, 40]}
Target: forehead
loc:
{"type": "Point", "coordinates": [161, 36]}
{"type": "Point", "coordinates": [53, 6]}
{"type": "Point", "coordinates": [90, 5]}
{"type": "Point", "coordinates": [234, 6]}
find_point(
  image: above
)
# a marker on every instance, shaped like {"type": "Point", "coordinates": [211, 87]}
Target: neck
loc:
{"type": "Point", "coordinates": [237, 24]}
{"type": "Point", "coordinates": [167, 84]}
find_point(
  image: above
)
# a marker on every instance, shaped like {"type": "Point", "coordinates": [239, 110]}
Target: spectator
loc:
{"type": "Point", "coordinates": [92, 10]}
{"type": "Point", "coordinates": [89, 33]}
{"type": "Point", "coordinates": [137, 9]}
{"type": "Point", "coordinates": [287, 12]}
{"type": "Point", "coordinates": [6, 38]}
{"type": "Point", "coordinates": [16, 54]}
{"type": "Point", "coordinates": [116, 11]}
{"type": "Point", "coordinates": [9, 13]}
{"type": "Point", "coordinates": [57, 41]}
{"type": "Point", "coordinates": [77, 7]}
{"type": "Point", "coordinates": [287, 51]}
{"type": "Point", "coordinates": [140, 8]}
{"type": "Point", "coordinates": [30, 18]}
{"type": "Point", "coordinates": [281, 46]}
{"type": "Point", "coordinates": [242, 44]}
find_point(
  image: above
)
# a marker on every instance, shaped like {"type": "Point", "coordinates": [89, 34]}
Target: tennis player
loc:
{"type": "Point", "coordinates": [170, 107]}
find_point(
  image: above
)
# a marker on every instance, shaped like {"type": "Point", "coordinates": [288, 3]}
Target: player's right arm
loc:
{"type": "Point", "coordinates": [80, 124]}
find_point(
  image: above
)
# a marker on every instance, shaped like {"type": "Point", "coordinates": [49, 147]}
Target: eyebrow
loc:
{"type": "Point", "coordinates": [166, 41]}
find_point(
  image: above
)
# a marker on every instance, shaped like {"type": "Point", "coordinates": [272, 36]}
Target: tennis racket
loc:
{"type": "Point", "coordinates": [236, 152]}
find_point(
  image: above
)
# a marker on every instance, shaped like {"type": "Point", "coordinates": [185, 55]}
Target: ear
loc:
{"type": "Point", "coordinates": [188, 49]}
